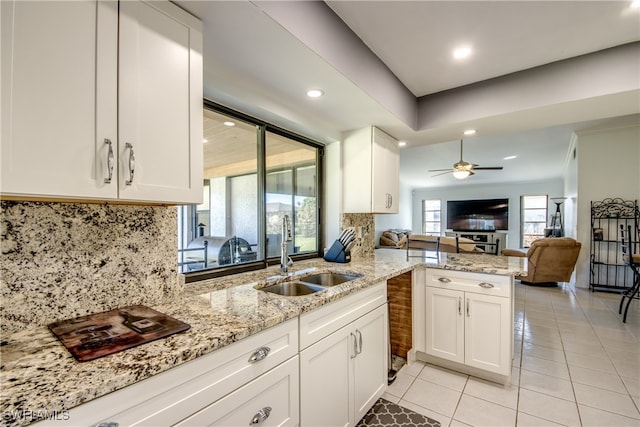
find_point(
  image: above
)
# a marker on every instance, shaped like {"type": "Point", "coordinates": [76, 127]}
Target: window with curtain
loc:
{"type": "Point", "coordinates": [533, 217]}
{"type": "Point", "coordinates": [431, 214]}
{"type": "Point", "coordinates": [254, 174]}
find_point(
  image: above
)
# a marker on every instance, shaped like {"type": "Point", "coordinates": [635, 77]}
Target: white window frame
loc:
{"type": "Point", "coordinates": [424, 217]}
{"type": "Point", "coordinates": [522, 216]}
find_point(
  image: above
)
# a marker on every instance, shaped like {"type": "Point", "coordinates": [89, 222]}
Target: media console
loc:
{"type": "Point", "coordinates": [491, 242]}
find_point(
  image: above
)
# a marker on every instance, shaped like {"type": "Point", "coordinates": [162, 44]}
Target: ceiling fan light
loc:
{"type": "Point", "coordinates": [461, 174]}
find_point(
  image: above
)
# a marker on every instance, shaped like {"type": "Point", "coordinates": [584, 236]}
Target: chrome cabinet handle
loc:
{"type": "Point", "coordinates": [460, 306]}
{"type": "Point", "coordinates": [444, 280]}
{"type": "Point", "coordinates": [355, 345]}
{"type": "Point", "coordinates": [107, 424]}
{"type": "Point", "coordinates": [132, 163]}
{"type": "Point", "coordinates": [259, 354]}
{"type": "Point", "coordinates": [390, 201]}
{"type": "Point", "coordinates": [359, 341]}
{"type": "Point", "coordinates": [468, 315]}
{"type": "Point", "coordinates": [110, 161]}
{"type": "Point", "coordinates": [485, 285]}
{"type": "Point", "coordinates": [261, 415]}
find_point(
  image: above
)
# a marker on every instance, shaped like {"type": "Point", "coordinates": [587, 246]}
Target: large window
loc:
{"type": "Point", "coordinates": [431, 214]}
{"type": "Point", "coordinates": [533, 218]}
{"type": "Point", "coordinates": [254, 174]}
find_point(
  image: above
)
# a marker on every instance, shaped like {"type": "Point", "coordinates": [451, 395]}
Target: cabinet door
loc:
{"type": "Point", "coordinates": [370, 364]}
{"type": "Point", "coordinates": [488, 333]}
{"type": "Point", "coordinates": [269, 400]}
{"type": "Point", "coordinates": [59, 80]}
{"type": "Point", "coordinates": [445, 324]}
{"type": "Point", "coordinates": [159, 104]}
{"type": "Point", "coordinates": [325, 380]}
{"type": "Point", "coordinates": [385, 170]}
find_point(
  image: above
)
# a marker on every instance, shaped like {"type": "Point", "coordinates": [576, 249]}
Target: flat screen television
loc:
{"type": "Point", "coordinates": [478, 215]}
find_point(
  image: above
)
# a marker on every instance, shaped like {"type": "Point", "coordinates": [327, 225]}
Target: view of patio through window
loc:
{"type": "Point", "coordinates": [252, 178]}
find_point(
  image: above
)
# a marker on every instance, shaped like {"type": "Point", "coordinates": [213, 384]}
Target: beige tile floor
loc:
{"type": "Point", "coordinates": [575, 364]}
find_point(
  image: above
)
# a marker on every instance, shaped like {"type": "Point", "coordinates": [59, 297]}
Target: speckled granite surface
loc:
{"type": "Point", "coordinates": [366, 222]}
{"type": "Point", "coordinates": [63, 260]}
{"type": "Point", "coordinates": [37, 372]}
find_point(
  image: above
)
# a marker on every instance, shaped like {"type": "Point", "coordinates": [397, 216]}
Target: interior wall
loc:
{"type": "Point", "coordinates": [465, 191]}
{"type": "Point", "coordinates": [332, 192]}
{"type": "Point", "coordinates": [571, 190]}
{"type": "Point", "coordinates": [607, 165]}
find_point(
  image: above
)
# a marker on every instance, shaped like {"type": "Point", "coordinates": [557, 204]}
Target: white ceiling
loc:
{"type": "Point", "coordinates": [415, 38]}
{"type": "Point", "coordinates": [258, 59]}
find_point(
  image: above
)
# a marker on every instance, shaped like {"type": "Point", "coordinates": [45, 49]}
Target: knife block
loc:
{"type": "Point", "coordinates": [338, 253]}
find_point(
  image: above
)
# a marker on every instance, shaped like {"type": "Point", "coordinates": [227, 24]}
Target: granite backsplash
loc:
{"type": "Point", "coordinates": [62, 260]}
{"type": "Point", "coordinates": [365, 224]}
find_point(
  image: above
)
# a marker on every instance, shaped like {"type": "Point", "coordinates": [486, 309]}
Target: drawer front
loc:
{"type": "Point", "coordinates": [479, 283]}
{"type": "Point", "coordinates": [171, 396]}
{"type": "Point", "coordinates": [325, 320]}
{"type": "Point", "coordinates": [269, 400]}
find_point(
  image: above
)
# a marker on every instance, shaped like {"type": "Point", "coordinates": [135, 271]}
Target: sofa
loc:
{"type": "Point", "coordinates": [550, 260]}
{"type": "Point", "coordinates": [394, 238]}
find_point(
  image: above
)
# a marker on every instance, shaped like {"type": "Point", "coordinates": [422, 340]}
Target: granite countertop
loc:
{"type": "Point", "coordinates": [37, 372]}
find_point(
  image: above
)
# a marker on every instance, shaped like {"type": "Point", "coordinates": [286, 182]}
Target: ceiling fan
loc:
{"type": "Point", "coordinates": [462, 169]}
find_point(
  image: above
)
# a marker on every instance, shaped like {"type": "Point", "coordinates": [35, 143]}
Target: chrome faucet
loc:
{"type": "Point", "coordinates": [285, 261]}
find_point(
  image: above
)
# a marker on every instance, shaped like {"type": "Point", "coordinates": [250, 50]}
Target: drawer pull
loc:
{"type": "Point", "coordinates": [259, 354]}
{"type": "Point", "coordinates": [485, 285]}
{"type": "Point", "coordinates": [460, 306]}
{"type": "Point", "coordinates": [355, 345]}
{"type": "Point", "coordinates": [444, 280]}
{"type": "Point", "coordinates": [132, 163]}
{"type": "Point", "coordinates": [107, 424]}
{"type": "Point", "coordinates": [110, 161]}
{"type": "Point", "coordinates": [262, 415]}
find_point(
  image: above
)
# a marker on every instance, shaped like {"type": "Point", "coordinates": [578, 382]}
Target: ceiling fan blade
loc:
{"type": "Point", "coordinates": [489, 168]}
{"type": "Point", "coordinates": [439, 170]}
{"type": "Point", "coordinates": [442, 173]}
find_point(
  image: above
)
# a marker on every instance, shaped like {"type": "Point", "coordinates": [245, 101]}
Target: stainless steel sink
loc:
{"type": "Point", "coordinates": [293, 289]}
{"type": "Point", "coordinates": [310, 284]}
{"type": "Point", "coordinates": [329, 279]}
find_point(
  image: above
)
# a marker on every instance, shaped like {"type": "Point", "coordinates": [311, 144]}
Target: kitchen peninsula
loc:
{"type": "Point", "coordinates": [38, 374]}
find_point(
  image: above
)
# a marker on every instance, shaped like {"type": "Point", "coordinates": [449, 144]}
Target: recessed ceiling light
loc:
{"type": "Point", "coordinates": [229, 124]}
{"type": "Point", "coordinates": [402, 143]}
{"type": "Point", "coordinates": [635, 4]}
{"type": "Point", "coordinates": [315, 93]}
{"type": "Point", "coordinates": [205, 140]}
{"type": "Point", "coordinates": [470, 132]}
{"type": "Point", "coordinates": [510, 157]}
{"type": "Point", "coordinates": [461, 52]}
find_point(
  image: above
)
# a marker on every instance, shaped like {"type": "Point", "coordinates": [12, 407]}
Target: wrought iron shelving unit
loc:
{"type": "Point", "coordinates": [608, 272]}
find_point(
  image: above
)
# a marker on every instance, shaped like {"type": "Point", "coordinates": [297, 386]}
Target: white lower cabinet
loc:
{"type": "Point", "coordinates": [468, 321]}
{"type": "Point", "coordinates": [324, 368]}
{"type": "Point", "coordinates": [217, 385]}
{"type": "Point", "coordinates": [344, 373]}
{"type": "Point", "coordinates": [269, 400]}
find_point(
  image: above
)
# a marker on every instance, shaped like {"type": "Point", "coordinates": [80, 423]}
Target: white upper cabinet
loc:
{"type": "Point", "coordinates": [59, 100]}
{"type": "Point", "coordinates": [82, 80]}
{"type": "Point", "coordinates": [160, 103]}
{"type": "Point", "coordinates": [370, 172]}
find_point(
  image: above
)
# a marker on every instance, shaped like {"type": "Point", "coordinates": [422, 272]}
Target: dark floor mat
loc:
{"type": "Point", "coordinates": [388, 414]}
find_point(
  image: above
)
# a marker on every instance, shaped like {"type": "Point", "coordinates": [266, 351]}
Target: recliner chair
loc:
{"type": "Point", "coordinates": [550, 260]}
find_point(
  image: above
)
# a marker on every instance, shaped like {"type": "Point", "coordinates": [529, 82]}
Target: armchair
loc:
{"type": "Point", "coordinates": [550, 260]}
